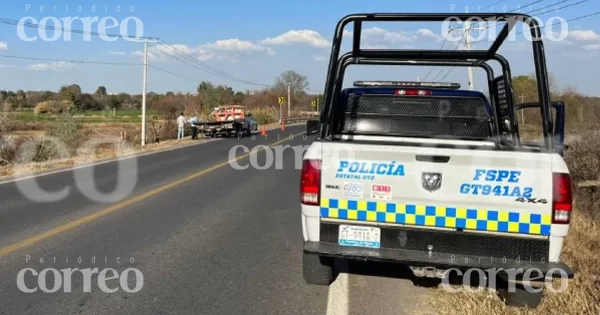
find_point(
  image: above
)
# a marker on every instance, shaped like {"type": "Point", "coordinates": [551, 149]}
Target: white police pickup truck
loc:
{"type": "Point", "coordinates": [433, 177]}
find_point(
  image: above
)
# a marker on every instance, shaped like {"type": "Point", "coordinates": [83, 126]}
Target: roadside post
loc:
{"type": "Point", "coordinates": [281, 102]}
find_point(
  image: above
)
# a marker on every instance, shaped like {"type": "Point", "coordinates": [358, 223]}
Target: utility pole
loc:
{"type": "Point", "coordinates": [468, 46]}
{"type": "Point", "coordinates": [144, 92]}
{"type": "Point", "coordinates": [144, 89]}
{"type": "Point", "coordinates": [289, 101]}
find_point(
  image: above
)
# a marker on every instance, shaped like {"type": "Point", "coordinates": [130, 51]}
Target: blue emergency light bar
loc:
{"type": "Point", "coordinates": [439, 85]}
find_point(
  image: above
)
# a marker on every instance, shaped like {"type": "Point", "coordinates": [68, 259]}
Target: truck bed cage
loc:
{"type": "Point", "coordinates": [504, 114]}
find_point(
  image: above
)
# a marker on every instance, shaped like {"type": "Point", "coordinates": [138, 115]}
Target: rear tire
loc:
{"type": "Point", "coordinates": [317, 269]}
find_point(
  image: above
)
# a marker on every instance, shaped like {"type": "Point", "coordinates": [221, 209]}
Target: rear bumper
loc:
{"type": "Point", "coordinates": [448, 250]}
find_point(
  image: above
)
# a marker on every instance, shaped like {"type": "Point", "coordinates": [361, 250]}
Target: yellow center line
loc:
{"type": "Point", "coordinates": [96, 215]}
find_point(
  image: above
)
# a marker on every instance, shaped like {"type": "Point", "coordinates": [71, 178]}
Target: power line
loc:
{"type": "Point", "coordinates": [460, 40]}
{"type": "Point", "coordinates": [527, 5]}
{"type": "Point", "coordinates": [187, 56]}
{"type": "Point", "coordinates": [72, 61]}
{"type": "Point", "coordinates": [550, 5]}
{"type": "Point", "coordinates": [517, 9]}
{"type": "Point", "coordinates": [452, 68]}
{"type": "Point", "coordinates": [571, 20]}
{"type": "Point", "coordinates": [205, 67]}
{"type": "Point", "coordinates": [492, 5]}
{"type": "Point", "coordinates": [191, 62]}
{"type": "Point", "coordinates": [556, 23]}
{"type": "Point", "coordinates": [443, 68]}
{"type": "Point", "coordinates": [174, 74]}
{"type": "Point", "coordinates": [446, 39]}
{"type": "Point", "coordinates": [443, 45]}
{"type": "Point", "coordinates": [195, 65]}
{"type": "Point", "coordinates": [570, 5]}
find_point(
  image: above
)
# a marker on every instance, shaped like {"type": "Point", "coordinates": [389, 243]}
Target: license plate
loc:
{"type": "Point", "coordinates": [360, 236]}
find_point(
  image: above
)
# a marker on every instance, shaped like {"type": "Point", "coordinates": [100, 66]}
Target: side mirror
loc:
{"type": "Point", "coordinates": [312, 126]}
{"type": "Point", "coordinates": [559, 122]}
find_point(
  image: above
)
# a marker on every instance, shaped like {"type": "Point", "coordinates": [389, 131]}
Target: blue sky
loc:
{"type": "Point", "coordinates": [257, 40]}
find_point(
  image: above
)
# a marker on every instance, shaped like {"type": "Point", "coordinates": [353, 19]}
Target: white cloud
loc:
{"type": "Point", "coordinates": [298, 37]}
{"type": "Point", "coordinates": [117, 53]}
{"type": "Point", "coordinates": [3, 46]}
{"type": "Point", "coordinates": [234, 44]}
{"type": "Point", "coordinates": [222, 50]}
{"type": "Point", "coordinates": [59, 66]}
{"type": "Point", "coordinates": [368, 46]}
{"type": "Point", "coordinates": [319, 58]}
{"type": "Point", "coordinates": [377, 36]}
{"type": "Point", "coordinates": [584, 35]}
{"type": "Point", "coordinates": [427, 33]}
{"type": "Point", "coordinates": [230, 50]}
{"type": "Point", "coordinates": [153, 55]}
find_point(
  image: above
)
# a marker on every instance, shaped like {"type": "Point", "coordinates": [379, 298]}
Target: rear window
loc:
{"type": "Point", "coordinates": [414, 116]}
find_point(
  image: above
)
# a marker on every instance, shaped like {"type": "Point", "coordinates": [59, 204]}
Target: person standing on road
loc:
{"type": "Point", "coordinates": [193, 129]}
{"type": "Point", "coordinates": [180, 126]}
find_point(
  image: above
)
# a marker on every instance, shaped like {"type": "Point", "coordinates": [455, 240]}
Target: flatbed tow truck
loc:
{"type": "Point", "coordinates": [229, 121]}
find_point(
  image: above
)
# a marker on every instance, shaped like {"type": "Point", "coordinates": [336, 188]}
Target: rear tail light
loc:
{"type": "Point", "coordinates": [562, 201]}
{"type": "Point", "coordinates": [413, 92]}
{"type": "Point", "coordinates": [310, 185]}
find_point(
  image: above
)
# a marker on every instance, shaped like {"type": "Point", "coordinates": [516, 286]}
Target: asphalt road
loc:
{"type": "Point", "coordinates": [205, 237]}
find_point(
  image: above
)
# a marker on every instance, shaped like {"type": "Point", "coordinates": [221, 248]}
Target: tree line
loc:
{"type": "Point", "coordinates": [208, 95]}
{"type": "Point", "coordinates": [582, 112]}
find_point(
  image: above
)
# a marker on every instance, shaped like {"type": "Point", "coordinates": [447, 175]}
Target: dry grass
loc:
{"type": "Point", "coordinates": [580, 251]}
{"type": "Point", "coordinates": [102, 152]}
{"type": "Point", "coordinates": [582, 295]}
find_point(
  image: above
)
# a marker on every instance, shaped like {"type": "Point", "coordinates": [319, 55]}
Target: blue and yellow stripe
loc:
{"type": "Point", "coordinates": [437, 216]}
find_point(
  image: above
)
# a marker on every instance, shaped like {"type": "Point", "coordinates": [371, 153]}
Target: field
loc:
{"type": "Point", "coordinates": [101, 116]}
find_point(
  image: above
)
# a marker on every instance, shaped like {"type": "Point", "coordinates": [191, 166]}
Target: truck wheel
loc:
{"type": "Point", "coordinates": [521, 297]}
{"type": "Point", "coordinates": [317, 269]}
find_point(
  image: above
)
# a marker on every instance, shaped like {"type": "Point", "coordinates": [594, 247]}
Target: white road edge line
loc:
{"type": "Point", "coordinates": [102, 162]}
{"type": "Point", "coordinates": [338, 295]}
